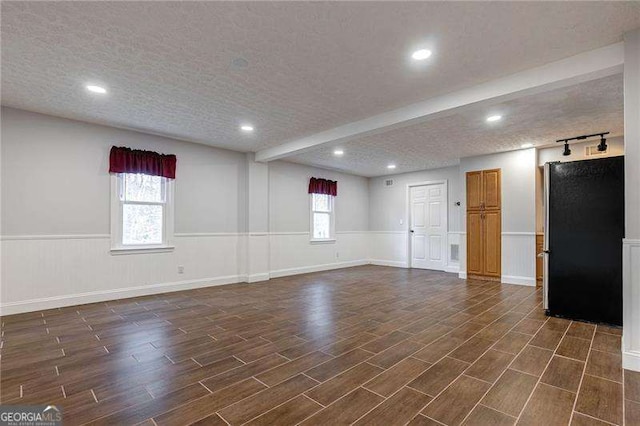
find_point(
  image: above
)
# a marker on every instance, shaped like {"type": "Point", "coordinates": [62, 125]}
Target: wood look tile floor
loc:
{"type": "Point", "coordinates": [366, 345]}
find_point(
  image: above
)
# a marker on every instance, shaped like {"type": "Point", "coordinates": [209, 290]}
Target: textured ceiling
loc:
{"type": "Point", "coordinates": [540, 119]}
{"type": "Point", "coordinates": [172, 67]}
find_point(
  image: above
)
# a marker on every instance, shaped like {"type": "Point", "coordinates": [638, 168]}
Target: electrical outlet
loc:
{"type": "Point", "coordinates": [337, 255]}
{"type": "Point", "coordinates": [181, 269]}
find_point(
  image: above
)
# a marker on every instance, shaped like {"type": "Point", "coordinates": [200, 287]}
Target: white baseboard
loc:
{"type": "Point", "coordinates": [510, 279]}
{"type": "Point", "coordinates": [393, 263]}
{"type": "Point", "coordinates": [454, 269]}
{"type": "Point", "coordinates": [316, 268]}
{"type": "Point", "coordinates": [631, 360]}
{"type": "Point", "coordinates": [106, 295]}
{"type": "Point", "coordinates": [254, 278]}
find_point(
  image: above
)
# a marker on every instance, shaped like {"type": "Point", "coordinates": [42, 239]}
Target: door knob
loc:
{"type": "Point", "coordinates": [411, 231]}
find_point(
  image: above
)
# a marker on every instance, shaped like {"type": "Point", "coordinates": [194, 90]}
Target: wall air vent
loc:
{"type": "Point", "coordinates": [592, 150]}
{"type": "Point", "coordinates": [388, 182]}
{"type": "Point", "coordinates": [454, 255]}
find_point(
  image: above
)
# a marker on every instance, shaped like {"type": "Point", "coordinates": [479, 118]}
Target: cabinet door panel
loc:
{"type": "Point", "coordinates": [474, 190]}
{"type": "Point", "coordinates": [492, 243]}
{"type": "Point", "coordinates": [474, 243]}
{"type": "Point", "coordinates": [491, 189]}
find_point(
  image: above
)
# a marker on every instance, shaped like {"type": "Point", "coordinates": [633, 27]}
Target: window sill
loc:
{"type": "Point", "coordinates": [141, 250]}
{"type": "Point", "coordinates": [323, 241]}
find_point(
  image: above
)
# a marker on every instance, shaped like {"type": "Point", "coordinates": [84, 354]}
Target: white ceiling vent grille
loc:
{"type": "Point", "coordinates": [592, 150]}
{"type": "Point", "coordinates": [388, 182]}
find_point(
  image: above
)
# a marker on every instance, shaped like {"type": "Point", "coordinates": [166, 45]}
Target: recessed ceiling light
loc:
{"type": "Point", "coordinates": [338, 152]}
{"type": "Point", "coordinates": [246, 128]}
{"type": "Point", "coordinates": [391, 166]}
{"type": "Point", "coordinates": [421, 55]}
{"type": "Point", "coordinates": [494, 118]}
{"type": "Point", "coordinates": [96, 89]}
{"type": "Point", "coordinates": [527, 145]}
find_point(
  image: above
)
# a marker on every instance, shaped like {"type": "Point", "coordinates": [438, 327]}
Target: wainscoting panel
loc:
{"type": "Point", "coordinates": [292, 252]}
{"type": "Point", "coordinates": [519, 258]}
{"type": "Point", "coordinates": [42, 273]}
{"type": "Point", "coordinates": [454, 251]}
{"type": "Point", "coordinates": [631, 304]}
{"type": "Point", "coordinates": [389, 248]}
{"type": "Point", "coordinates": [257, 266]}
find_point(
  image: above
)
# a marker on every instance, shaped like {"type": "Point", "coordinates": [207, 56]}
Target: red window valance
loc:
{"type": "Point", "coordinates": [323, 186]}
{"type": "Point", "coordinates": [127, 160]}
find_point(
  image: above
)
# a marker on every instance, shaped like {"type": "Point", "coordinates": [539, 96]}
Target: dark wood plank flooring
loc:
{"type": "Point", "coordinates": [366, 345]}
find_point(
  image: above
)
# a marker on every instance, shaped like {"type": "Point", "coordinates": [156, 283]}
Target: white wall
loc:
{"type": "Point", "coordinates": [55, 217]}
{"type": "Point", "coordinates": [518, 185]}
{"type": "Point", "coordinates": [256, 254]}
{"type": "Point", "coordinates": [388, 206]}
{"type": "Point", "coordinates": [56, 181]}
{"type": "Point", "coordinates": [236, 220]}
{"type": "Point", "coordinates": [289, 220]}
{"type": "Point", "coordinates": [388, 214]}
{"type": "Point", "coordinates": [518, 211]}
{"type": "Point", "coordinates": [631, 242]}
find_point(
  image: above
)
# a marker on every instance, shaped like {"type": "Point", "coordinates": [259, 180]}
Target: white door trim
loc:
{"type": "Point", "coordinates": [444, 182]}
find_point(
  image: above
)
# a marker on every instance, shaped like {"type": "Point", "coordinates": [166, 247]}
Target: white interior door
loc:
{"type": "Point", "coordinates": [428, 226]}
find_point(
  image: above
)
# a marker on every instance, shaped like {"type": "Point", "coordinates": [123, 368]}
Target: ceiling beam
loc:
{"type": "Point", "coordinates": [576, 69]}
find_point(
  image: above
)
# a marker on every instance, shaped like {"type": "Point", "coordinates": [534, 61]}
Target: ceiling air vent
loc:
{"type": "Point", "coordinates": [388, 182]}
{"type": "Point", "coordinates": [592, 150]}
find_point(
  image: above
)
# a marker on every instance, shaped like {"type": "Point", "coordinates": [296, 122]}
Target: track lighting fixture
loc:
{"type": "Point", "coordinates": [601, 147]}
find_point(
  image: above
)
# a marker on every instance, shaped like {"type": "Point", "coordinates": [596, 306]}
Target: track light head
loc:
{"type": "Point", "coordinates": [602, 146]}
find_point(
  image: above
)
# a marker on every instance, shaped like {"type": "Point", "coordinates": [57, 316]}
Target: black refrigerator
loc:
{"type": "Point", "coordinates": [584, 228]}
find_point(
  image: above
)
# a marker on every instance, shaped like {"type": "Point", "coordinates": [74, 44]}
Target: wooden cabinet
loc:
{"type": "Point", "coordinates": [484, 224]}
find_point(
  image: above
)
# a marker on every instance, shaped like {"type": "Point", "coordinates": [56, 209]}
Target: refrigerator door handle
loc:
{"type": "Point", "coordinates": [545, 247]}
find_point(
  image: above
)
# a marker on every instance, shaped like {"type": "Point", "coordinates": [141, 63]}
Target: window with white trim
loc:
{"type": "Point", "coordinates": [322, 217]}
{"type": "Point", "coordinates": [141, 212]}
